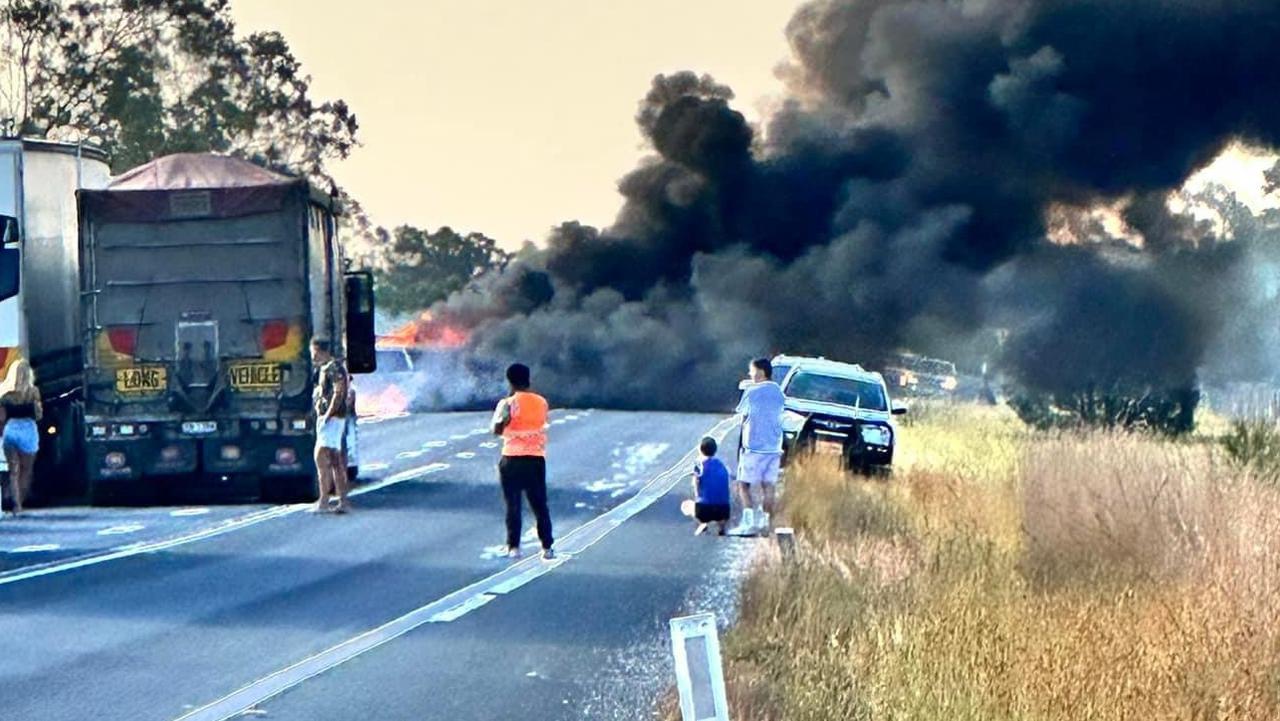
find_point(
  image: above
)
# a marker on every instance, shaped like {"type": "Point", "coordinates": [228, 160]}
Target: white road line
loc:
{"type": "Point", "coordinates": [462, 601]}
{"type": "Point", "coordinates": [405, 455]}
{"type": "Point", "coordinates": [528, 575]}
{"type": "Point", "coordinates": [435, 444]}
{"type": "Point", "coordinates": [465, 455]}
{"type": "Point", "coordinates": [374, 467]}
{"type": "Point", "coordinates": [235, 524]}
{"type": "Point", "coordinates": [410, 475]}
{"type": "Point", "coordinates": [462, 609]}
{"type": "Point", "coordinates": [489, 444]}
{"type": "Point", "coordinates": [37, 548]}
{"type": "Point", "coordinates": [183, 512]}
{"type": "Point", "coordinates": [121, 529]}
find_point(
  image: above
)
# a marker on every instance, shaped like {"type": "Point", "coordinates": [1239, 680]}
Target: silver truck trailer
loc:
{"type": "Point", "coordinates": [39, 292]}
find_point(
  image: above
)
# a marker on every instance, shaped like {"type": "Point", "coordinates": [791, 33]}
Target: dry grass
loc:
{"type": "Point", "coordinates": [1008, 575]}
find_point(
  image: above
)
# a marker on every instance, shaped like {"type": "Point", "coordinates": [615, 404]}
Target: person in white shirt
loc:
{"type": "Point", "coordinates": [761, 407]}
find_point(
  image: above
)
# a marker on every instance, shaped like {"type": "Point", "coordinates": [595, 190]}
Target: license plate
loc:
{"type": "Point", "coordinates": [199, 427]}
{"type": "Point", "coordinates": [142, 379]}
{"type": "Point", "coordinates": [832, 448]}
{"type": "Point", "coordinates": [255, 376]}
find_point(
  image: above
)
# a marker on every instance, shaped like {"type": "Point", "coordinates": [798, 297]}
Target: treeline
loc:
{"type": "Point", "coordinates": [147, 78]}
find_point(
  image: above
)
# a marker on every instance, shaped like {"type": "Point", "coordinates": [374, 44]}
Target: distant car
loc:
{"type": "Point", "coordinates": [912, 374]}
{"type": "Point", "coordinates": [836, 408]}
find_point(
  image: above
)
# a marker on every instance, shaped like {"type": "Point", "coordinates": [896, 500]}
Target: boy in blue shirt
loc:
{"type": "Point", "coordinates": [710, 489]}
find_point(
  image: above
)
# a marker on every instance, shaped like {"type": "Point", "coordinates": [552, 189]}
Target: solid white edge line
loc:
{"type": "Point", "coordinates": [264, 689]}
{"type": "Point", "coordinates": [462, 609]}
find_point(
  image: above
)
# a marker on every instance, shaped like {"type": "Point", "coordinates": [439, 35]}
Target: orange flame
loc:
{"type": "Point", "coordinates": [387, 402]}
{"type": "Point", "coordinates": [425, 331]}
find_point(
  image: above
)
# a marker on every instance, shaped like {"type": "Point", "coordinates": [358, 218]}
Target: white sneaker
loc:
{"type": "Point", "coordinates": [762, 520]}
{"type": "Point", "coordinates": [747, 524]}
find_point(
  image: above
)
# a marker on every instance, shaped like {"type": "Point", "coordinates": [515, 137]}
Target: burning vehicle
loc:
{"type": "Point", "coordinates": [420, 368]}
{"type": "Point", "coordinates": [839, 409]}
{"type": "Point", "coordinates": [916, 375]}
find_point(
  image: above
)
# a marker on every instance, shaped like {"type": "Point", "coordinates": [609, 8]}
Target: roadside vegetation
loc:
{"type": "Point", "coordinates": [1005, 573]}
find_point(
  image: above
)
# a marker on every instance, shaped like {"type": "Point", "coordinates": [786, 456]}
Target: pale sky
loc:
{"type": "Point", "coordinates": [510, 116]}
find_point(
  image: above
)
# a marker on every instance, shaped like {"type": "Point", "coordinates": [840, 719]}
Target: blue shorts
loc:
{"type": "Point", "coordinates": [21, 435]}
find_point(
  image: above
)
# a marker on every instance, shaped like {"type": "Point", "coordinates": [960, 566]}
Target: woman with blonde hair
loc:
{"type": "Point", "coordinates": [20, 403]}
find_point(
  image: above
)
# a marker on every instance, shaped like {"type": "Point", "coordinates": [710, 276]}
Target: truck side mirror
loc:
{"type": "Point", "coordinates": [361, 338]}
{"type": "Point", "coordinates": [10, 270]}
{"type": "Point", "coordinates": [899, 409]}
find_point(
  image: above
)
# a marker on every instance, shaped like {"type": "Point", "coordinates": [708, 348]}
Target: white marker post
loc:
{"type": "Point", "coordinates": [786, 539]}
{"type": "Point", "coordinates": [699, 676]}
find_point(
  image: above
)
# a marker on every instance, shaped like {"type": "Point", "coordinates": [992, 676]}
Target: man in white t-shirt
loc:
{"type": "Point", "coordinates": [758, 465]}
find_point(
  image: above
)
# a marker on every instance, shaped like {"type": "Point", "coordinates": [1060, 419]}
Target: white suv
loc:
{"type": "Point", "coordinates": [839, 409]}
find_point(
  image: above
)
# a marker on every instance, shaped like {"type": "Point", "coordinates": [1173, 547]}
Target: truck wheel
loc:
{"type": "Point", "coordinates": [98, 494]}
{"type": "Point", "coordinates": [143, 492]}
{"type": "Point", "coordinates": [289, 489]}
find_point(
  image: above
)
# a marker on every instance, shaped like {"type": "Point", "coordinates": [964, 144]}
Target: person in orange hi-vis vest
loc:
{"type": "Point", "coordinates": [521, 420]}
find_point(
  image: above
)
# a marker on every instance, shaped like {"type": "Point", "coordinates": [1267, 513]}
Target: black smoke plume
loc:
{"type": "Point", "coordinates": [900, 199]}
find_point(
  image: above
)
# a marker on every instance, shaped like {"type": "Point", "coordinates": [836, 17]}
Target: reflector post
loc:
{"type": "Point", "coordinates": [699, 676]}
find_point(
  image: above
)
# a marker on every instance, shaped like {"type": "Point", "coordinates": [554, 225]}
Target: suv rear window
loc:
{"type": "Point", "coordinates": [840, 391]}
{"type": "Point", "coordinates": [780, 373]}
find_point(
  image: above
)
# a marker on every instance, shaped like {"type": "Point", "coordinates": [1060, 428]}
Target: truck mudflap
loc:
{"type": "Point", "coordinates": [261, 455]}
{"type": "Point", "coordinates": [131, 460]}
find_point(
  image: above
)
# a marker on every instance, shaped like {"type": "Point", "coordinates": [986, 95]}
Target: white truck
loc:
{"type": "Point", "coordinates": [39, 283]}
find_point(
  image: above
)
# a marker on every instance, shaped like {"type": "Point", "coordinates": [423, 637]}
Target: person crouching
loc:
{"type": "Point", "coordinates": [710, 489]}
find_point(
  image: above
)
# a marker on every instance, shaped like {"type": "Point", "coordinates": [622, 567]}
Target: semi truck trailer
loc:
{"type": "Point", "coordinates": [202, 281]}
{"type": "Point", "coordinates": [39, 289]}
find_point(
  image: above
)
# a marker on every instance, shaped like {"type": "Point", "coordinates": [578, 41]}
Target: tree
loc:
{"type": "Point", "coordinates": [144, 78]}
{"type": "Point", "coordinates": [422, 267]}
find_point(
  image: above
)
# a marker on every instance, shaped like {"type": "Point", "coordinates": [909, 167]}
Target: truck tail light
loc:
{"type": "Point", "coordinates": [123, 340]}
{"type": "Point", "coordinates": [274, 334]}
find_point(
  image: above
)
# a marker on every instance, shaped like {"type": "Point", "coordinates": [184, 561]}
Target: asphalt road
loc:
{"type": "Point", "coordinates": [400, 610]}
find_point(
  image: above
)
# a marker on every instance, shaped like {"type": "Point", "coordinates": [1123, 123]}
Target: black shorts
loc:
{"type": "Point", "coordinates": [711, 512]}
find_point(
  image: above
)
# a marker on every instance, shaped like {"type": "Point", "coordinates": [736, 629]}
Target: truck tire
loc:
{"type": "Point", "coordinates": [289, 489]}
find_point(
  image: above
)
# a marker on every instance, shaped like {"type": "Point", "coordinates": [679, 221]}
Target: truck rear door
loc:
{"type": "Point", "coordinates": [203, 311]}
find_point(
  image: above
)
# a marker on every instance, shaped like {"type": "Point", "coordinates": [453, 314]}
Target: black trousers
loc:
{"type": "Point", "coordinates": [525, 475]}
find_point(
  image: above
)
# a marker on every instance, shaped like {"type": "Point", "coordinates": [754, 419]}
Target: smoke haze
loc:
{"type": "Point", "coordinates": [901, 198]}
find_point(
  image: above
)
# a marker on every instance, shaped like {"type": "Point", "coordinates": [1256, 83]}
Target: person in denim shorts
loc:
{"type": "Point", "coordinates": [20, 403]}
